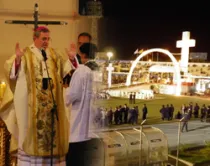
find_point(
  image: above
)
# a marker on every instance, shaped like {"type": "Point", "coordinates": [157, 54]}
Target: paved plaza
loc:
{"type": "Point", "coordinates": [198, 133]}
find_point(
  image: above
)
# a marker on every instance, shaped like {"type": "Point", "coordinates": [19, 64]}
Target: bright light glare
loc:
{"type": "Point", "coordinates": [109, 54]}
{"type": "Point", "coordinates": [3, 83]}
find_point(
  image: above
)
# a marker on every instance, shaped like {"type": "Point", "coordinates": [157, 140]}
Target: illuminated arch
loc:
{"type": "Point", "coordinates": [175, 63]}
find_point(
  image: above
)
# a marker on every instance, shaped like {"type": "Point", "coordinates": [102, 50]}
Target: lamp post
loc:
{"type": "Point", "coordinates": [110, 68]}
{"type": "Point", "coordinates": [178, 142]}
{"type": "Point", "coordinates": [140, 145]}
{"type": "Point", "coordinates": [109, 55]}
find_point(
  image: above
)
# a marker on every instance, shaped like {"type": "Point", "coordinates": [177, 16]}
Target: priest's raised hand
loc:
{"type": "Point", "coordinates": [19, 53]}
{"type": "Point", "coordinates": [71, 51]}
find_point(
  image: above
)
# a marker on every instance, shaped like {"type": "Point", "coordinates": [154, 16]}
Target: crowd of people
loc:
{"type": "Point", "coordinates": [196, 111]}
{"type": "Point", "coordinates": [120, 115]}
{"type": "Point", "coordinates": [186, 113]}
{"type": "Point", "coordinates": [132, 114]}
{"type": "Point", "coordinates": [167, 112]}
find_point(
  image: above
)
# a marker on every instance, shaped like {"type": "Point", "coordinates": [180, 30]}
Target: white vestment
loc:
{"type": "Point", "coordinates": [20, 103]}
{"type": "Point", "coordinates": [80, 94]}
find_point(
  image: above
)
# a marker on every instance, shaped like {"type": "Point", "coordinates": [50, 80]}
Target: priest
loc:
{"type": "Point", "coordinates": [74, 55]}
{"type": "Point", "coordinates": [33, 75]}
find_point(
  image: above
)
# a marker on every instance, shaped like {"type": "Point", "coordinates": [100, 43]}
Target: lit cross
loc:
{"type": "Point", "coordinates": [185, 44]}
{"type": "Point", "coordinates": [110, 68]}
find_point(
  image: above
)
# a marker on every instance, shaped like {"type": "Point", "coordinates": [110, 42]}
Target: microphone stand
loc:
{"type": "Point", "coordinates": [53, 110]}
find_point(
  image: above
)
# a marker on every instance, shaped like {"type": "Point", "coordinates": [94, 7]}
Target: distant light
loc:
{"type": "Point", "coordinates": [137, 51]}
{"type": "Point", "coordinates": [109, 54]}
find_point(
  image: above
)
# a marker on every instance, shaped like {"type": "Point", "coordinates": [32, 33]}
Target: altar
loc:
{"type": "Point", "coordinates": [145, 94]}
{"type": "Point", "coordinates": [141, 94]}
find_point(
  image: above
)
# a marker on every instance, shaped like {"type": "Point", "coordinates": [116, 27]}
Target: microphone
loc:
{"type": "Point", "coordinates": [44, 54]}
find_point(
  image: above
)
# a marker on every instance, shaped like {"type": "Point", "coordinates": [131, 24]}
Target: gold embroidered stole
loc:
{"type": "Point", "coordinates": [40, 104]}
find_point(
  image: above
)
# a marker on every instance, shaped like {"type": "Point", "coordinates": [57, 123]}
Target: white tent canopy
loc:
{"type": "Point", "coordinates": [162, 69]}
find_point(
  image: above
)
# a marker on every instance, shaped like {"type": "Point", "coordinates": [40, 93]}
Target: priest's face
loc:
{"type": "Point", "coordinates": [81, 41]}
{"type": "Point", "coordinates": [43, 40]}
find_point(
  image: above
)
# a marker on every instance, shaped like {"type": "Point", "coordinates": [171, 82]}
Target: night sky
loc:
{"type": "Point", "coordinates": [129, 25]}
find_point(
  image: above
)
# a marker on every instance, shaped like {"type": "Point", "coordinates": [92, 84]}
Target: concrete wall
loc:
{"type": "Point", "coordinates": [51, 10]}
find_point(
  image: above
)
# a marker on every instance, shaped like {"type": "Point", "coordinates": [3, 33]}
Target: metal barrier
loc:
{"type": "Point", "coordinates": [123, 148]}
